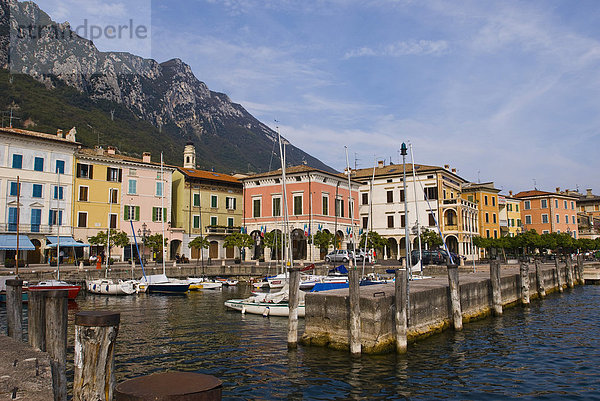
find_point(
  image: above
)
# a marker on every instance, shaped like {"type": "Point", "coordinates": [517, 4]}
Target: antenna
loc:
{"type": "Point", "coordinates": [534, 184]}
{"type": "Point", "coordinates": [478, 178]}
{"type": "Point", "coordinates": [356, 159]}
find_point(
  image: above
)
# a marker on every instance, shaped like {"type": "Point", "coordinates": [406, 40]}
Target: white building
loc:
{"type": "Point", "coordinates": [43, 165]}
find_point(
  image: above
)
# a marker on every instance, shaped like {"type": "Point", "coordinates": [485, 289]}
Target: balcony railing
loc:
{"type": "Point", "coordinates": [221, 230]}
{"type": "Point", "coordinates": [30, 228]}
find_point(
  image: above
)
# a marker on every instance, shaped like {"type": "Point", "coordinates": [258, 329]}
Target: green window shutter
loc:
{"type": "Point", "coordinates": [154, 211]}
{"type": "Point", "coordinates": [137, 213]}
{"type": "Point", "coordinates": [126, 213]}
{"type": "Point", "coordinates": [164, 215]}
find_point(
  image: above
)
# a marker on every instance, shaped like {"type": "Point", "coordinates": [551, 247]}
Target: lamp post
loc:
{"type": "Point", "coordinates": [144, 233]}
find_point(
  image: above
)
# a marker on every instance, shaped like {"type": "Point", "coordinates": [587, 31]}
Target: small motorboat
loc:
{"type": "Point", "coordinates": [229, 282]}
{"type": "Point", "coordinates": [161, 284]}
{"type": "Point", "coordinates": [110, 287]}
{"type": "Point", "coordinates": [47, 285]}
{"type": "Point", "coordinates": [268, 304]}
{"type": "Point", "coordinates": [201, 283]}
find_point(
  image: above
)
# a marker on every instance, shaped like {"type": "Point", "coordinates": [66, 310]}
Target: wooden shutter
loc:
{"type": "Point", "coordinates": [126, 213]}
{"type": "Point", "coordinates": [164, 215]}
{"type": "Point", "coordinates": [108, 174]}
{"type": "Point", "coordinates": [120, 175]}
{"type": "Point", "coordinates": [154, 211]}
{"type": "Point", "coordinates": [78, 170]}
{"type": "Point", "coordinates": [137, 213]}
{"type": "Point", "coordinates": [90, 170]}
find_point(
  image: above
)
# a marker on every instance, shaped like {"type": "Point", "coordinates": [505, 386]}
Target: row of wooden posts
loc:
{"type": "Point", "coordinates": [401, 298]}
{"type": "Point", "coordinates": [94, 362]}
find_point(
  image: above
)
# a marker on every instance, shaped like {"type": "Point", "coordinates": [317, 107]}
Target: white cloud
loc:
{"type": "Point", "coordinates": [403, 48]}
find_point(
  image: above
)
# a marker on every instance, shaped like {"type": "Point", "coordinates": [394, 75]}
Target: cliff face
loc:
{"type": "Point", "coordinates": [167, 94]}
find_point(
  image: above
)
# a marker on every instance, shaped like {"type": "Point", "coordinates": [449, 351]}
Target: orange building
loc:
{"type": "Point", "coordinates": [485, 195]}
{"type": "Point", "coordinates": [548, 212]}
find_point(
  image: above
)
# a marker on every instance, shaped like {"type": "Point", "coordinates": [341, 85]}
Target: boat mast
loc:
{"type": "Point", "coordinates": [162, 209]}
{"type": "Point", "coordinates": [108, 230]}
{"type": "Point", "coordinates": [18, 221]}
{"type": "Point", "coordinates": [58, 221]}
{"type": "Point", "coordinates": [370, 216]}
{"type": "Point", "coordinates": [288, 254]}
{"type": "Point", "coordinates": [351, 212]}
{"type": "Point", "coordinates": [412, 160]}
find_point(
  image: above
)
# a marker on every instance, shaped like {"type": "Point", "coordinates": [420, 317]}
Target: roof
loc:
{"type": "Point", "coordinates": [39, 135]}
{"type": "Point", "coordinates": [208, 175]}
{"type": "Point", "coordinates": [94, 153]}
{"type": "Point", "coordinates": [537, 193]}
{"type": "Point", "coordinates": [294, 170]}
{"type": "Point", "coordinates": [484, 186]}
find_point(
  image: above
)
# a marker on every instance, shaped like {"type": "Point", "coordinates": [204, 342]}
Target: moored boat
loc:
{"type": "Point", "coordinates": [47, 285]}
{"type": "Point", "coordinates": [267, 304]}
{"type": "Point", "coordinates": [161, 284]}
{"type": "Point", "coordinates": [200, 283]}
{"type": "Point", "coordinates": [110, 287]}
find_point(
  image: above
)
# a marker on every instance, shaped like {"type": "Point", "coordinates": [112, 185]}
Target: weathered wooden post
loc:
{"type": "Point", "coordinates": [56, 340]}
{"type": "Point", "coordinates": [400, 311]}
{"type": "Point", "coordinates": [166, 386]}
{"type": "Point", "coordinates": [580, 269]}
{"type": "Point", "coordinates": [14, 308]}
{"type": "Point", "coordinates": [559, 281]}
{"type": "Point", "coordinates": [95, 336]}
{"type": "Point", "coordinates": [569, 264]}
{"type": "Point", "coordinates": [36, 311]}
{"type": "Point", "coordinates": [524, 272]}
{"type": "Point", "coordinates": [455, 296]}
{"type": "Point", "coordinates": [539, 278]}
{"type": "Point", "coordinates": [496, 287]}
{"type": "Point", "coordinates": [294, 286]}
{"type": "Point", "coordinates": [354, 288]}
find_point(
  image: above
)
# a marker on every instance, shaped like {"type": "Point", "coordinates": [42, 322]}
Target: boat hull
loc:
{"type": "Point", "coordinates": [108, 287]}
{"type": "Point", "coordinates": [263, 308]}
{"type": "Point", "coordinates": [73, 290]}
{"type": "Point", "coordinates": [168, 288]}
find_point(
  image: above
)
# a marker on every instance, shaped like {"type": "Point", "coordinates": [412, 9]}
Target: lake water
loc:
{"type": "Point", "coordinates": [547, 351]}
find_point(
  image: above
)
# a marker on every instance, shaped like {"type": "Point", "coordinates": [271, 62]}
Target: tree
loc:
{"type": "Point", "coordinates": [273, 240]}
{"type": "Point", "coordinates": [323, 239]}
{"type": "Point", "coordinates": [375, 241]}
{"type": "Point", "coordinates": [156, 243]}
{"type": "Point", "coordinates": [119, 239]}
{"type": "Point", "coordinates": [198, 243]}
{"type": "Point", "coordinates": [431, 239]}
{"type": "Point", "coordinates": [238, 239]}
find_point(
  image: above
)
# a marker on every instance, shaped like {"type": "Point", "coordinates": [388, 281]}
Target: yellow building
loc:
{"type": "Point", "coordinates": [486, 198]}
{"type": "Point", "coordinates": [510, 215]}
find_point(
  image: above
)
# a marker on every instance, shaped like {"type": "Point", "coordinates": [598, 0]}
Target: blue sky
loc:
{"type": "Point", "coordinates": [504, 91]}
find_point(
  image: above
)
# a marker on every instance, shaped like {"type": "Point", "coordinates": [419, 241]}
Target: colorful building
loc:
{"type": "Point", "coordinates": [205, 204]}
{"type": "Point", "coordinates": [316, 201]}
{"type": "Point", "coordinates": [548, 212]}
{"type": "Point", "coordinates": [509, 215]}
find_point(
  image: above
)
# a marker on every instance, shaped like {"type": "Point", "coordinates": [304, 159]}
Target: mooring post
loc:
{"type": "Point", "coordinates": [524, 272]}
{"type": "Point", "coordinates": [455, 296]}
{"type": "Point", "coordinates": [56, 340]}
{"type": "Point", "coordinates": [400, 311]}
{"type": "Point", "coordinates": [170, 386]}
{"type": "Point", "coordinates": [294, 286]}
{"type": "Point", "coordinates": [354, 288]}
{"type": "Point", "coordinates": [95, 336]}
{"type": "Point", "coordinates": [559, 281]}
{"type": "Point", "coordinates": [14, 309]}
{"type": "Point", "coordinates": [580, 269]}
{"type": "Point", "coordinates": [539, 278]}
{"type": "Point", "coordinates": [36, 317]}
{"type": "Point", "coordinates": [569, 264]}
{"type": "Point", "coordinates": [496, 287]}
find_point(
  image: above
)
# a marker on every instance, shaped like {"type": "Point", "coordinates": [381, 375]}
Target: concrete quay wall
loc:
{"type": "Point", "coordinates": [327, 313]}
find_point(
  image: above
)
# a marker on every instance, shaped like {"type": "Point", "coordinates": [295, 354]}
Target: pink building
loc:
{"type": "Point", "coordinates": [316, 201]}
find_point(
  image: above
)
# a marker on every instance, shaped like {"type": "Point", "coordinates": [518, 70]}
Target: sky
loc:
{"type": "Point", "coordinates": [503, 91]}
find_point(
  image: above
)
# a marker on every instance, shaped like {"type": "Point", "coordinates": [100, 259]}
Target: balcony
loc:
{"type": "Point", "coordinates": [221, 230]}
{"type": "Point", "coordinates": [503, 223]}
{"type": "Point", "coordinates": [29, 228]}
{"type": "Point", "coordinates": [449, 202]}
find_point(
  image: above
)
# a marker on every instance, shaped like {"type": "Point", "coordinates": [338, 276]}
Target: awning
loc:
{"type": "Point", "coordinates": [9, 241]}
{"type": "Point", "coordinates": [64, 241]}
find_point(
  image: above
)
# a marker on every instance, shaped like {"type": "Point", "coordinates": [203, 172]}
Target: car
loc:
{"type": "Point", "coordinates": [341, 255]}
{"type": "Point", "coordinates": [430, 256]}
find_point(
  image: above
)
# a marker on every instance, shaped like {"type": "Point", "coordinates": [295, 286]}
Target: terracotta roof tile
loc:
{"type": "Point", "coordinates": [41, 135]}
{"type": "Point", "coordinates": [208, 175]}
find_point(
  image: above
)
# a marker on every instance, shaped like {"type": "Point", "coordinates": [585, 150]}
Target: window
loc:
{"type": "Point", "coordinates": [12, 219]}
{"type": "Point", "coordinates": [494, 204]}
{"type": "Point", "coordinates": [545, 232]}
{"type": "Point", "coordinates": [557, 218]}
{"type": "Point", "coordinates": [511, 223]}
{"type": "Point", "coordinates": [545, 219]}
{"type": "Point", "coordinates": [230, 222]}
{"type": "Point", "coordinates": [325, 205]}
{"type": "Point", "coordinates": [431, 193]}
{"type": "Point", "coordinates": [36, 220]}
{"type": "Point", "coordinates": [297, 205]}
{"type": "Point", "coordinates": [516, 208]}
{"type": "Point", "coordinates": [38, 164]}
{"type": "Point", "coordinates": [37, 191]}
{"type": "Point", "coordinates": [84, 170]}
{"type": "Point", "coordinates": [470, 198]}
{"type": "Point", "coordinates": [487, 217]}
{"type": "Point", "coordinates": [55, 218]}
{"type": "Point", "coordinates": [494, 217]}
{"type": "Point", "coordinates": [60, 167]}
{"type": "Point", "coordinates": [509, 207]}
{"type": "Point", "coordinates": [113, 174]}
{"type": "Point", "coordinates": [402, 220]}
{"type": "Point", "coordinates": [57, 192]}
{"type": "Point", "coordinates": [365, 222]}
{"type": "Point", "coordinates": [132, 187]}
{"type": "Point", "coordinates": [83, 193]}
{"type": "Point", "coordinates": [431, 220]}
{"type": "Point", "coordinates": [365, 198]}
{"type": "Point", "coordinates": [17, 161]}
{"type": "Point", "coordinates": [390, 221]}
{"type": "Point", "coordinates": [390, 196]}
{"type": "Point", "coordinates": [487, 233]}
{"type": "Point", "coordinates": [112, 220]}
{"type": "Point", "coordinates": [158, 213]}
{"type": "Point", "coordinates": [159, 188]}
{"type": "Point", "coordinates": [339, 207]}
{"type": "Point", "coordinates": [196, 221]}
{"type": "Point", "coordinates": [113, 195]}
{"type": "Point", "coordinates": [573, 219]}
{"type": "Point", "coordinates": [276, 207]}
{"type": "Point", "coordinates": [566, 219]}
{"type": "Point", "coordinates": [495, 232]}
{"type": "Point", "coordinates": [527, 205]}
{"type": "Point", "coordinates": [82, 219]}
{"type": "Point", "coordinates": [544, 203]}
{"type": "Point", "coordinates": [214, 201]}
{"type": "Point", "coordinates": [566, 206]}
{"type": "Point", "coordinates": [528, 219]}
{"type": "Point", "coordinates": [485, 200]}
{"type": "Point", "coordinates": [401, 195]}
{"type": "Point", "coordinates": [572, 205]}
{"type": "Point", "coordinates": [213, 220]}
{"type": "Point", "coordinates": [256, 207]}
{"type": "Point", "coordinates": [556, 203]}
{"type": "Point", "coordinates": [519, 222]}
{"type": "Point", "coordinates": [196, 200]}
{"type": "Point", "coordinates": [131, 213]}
{"type": "Point", "coordinates": [230, 203]}
{"type": "Point", "coordinates": [132, 171]}
{"type": "Point", "coordinates": [15, 189]}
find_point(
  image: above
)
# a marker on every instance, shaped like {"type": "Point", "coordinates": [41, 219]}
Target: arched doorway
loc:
{"type": "Point", "coordinates": [452, 244]}
{"type": "Point", "coordinates": [450, 218]}
{"type": "Point", "coordinates": [298, 244]}
{"type": "Point", "coordinates": [277, 245]}
{"type": "Point", "coordinates": [323, 251]}
{"type": "Point", "coordinates": [175, 248]}
{"type": "Point", "coordinates": [402, 246]}
{"type": "Point", "coordinates": [213, 250]}
{"type": "Point", "coordinates": [35, 256]}
{"type": "Point", "coordinates": [339, 237]}
{"type": "Point", "coordinates": [392, 248]}
{"type": "Point", "coordinates": [257, 250]}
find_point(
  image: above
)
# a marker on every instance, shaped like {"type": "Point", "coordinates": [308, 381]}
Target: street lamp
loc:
{"type": "Point", "coordinates": [144, 233]}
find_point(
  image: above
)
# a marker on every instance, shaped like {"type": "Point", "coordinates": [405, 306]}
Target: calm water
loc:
{"type": "Point", "coordinates": [548, 351]}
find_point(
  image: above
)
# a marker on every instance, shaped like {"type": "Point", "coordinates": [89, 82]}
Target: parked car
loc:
{"type": "Point", "coordinates": [431, 257]}
{"type": "Point", "coordinates": [341, 255]}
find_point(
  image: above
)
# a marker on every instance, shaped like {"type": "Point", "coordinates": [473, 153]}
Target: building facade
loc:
{"type": "Point", "coordinates": [509, 215]}
{"type": "Point", "coordinates": [41, 203]}
{"type": "Point", "coordinates": [485, 195]}
{"type": "Point", "coordinates": [548, 212]}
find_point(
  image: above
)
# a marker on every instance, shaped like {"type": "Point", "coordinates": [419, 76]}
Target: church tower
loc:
{"type": "Point", "coordinates": [189, 156]}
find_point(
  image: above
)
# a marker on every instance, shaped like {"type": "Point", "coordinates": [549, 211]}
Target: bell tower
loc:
{"type": "Point", "coordinates": [189, 156]}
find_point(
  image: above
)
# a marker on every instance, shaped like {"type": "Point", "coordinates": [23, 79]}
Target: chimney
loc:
{"type": "Point", "coordinates": [111, 150]}
{"type": "Point", "coordinates": [447, 166]}
{"type": "Point", "coordinates": [509, 193]}
{"type": "Point", "coordinates": [588, 193]}
{"type": "Point", "coordinates": [380, 163]}
{"type": "Point", "coordinates": [557, 190]}
{"type": "Point", "coordinates": [454, 170]}
{"type": "Point", "coordinates": [99, 150]}
{"type": "Point", "coordinates": [59, 133]}
{"type": "Point", "coordinates": [146, 157]}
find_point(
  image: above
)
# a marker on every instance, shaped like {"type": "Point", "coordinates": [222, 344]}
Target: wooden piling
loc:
{"type": "Point", "coordinates": [294, 287]}
{"type": "Point", "coordinates": [580, 269]}
{"type": "Point", "coordinates": [36, 317]}
{"type": "Point", "coordinates": [400, 311]}
{"type": "Point", "coordinates": [524, 272]}
{"type": "Point", "coordinates": [354, 288]}
{"type": "Point", "coordinates": [496, 287]}
{"type": "Point", "coordinates": [168, 386]}
{"type": "Point", "coordinates": [539, 279]}
{"type": "Point", "coordinates": [559, 281]}
{"type": "Point", "coordinates": [455, 296]}
{"type": "Point", "coordinates": [569, 264]}
{"type": "Point", "coordinates": [95, 337]}
{"type": "Point", "coordinates": [56, 340]}
{"type": "Point", "coordinates": [14, 309]}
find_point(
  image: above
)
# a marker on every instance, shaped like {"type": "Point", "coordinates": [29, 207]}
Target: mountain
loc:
{"type": "Point", "coordinates": [165, 102]}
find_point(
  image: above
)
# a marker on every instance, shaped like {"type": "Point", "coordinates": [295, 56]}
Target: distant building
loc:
{"type": "Point", "coordinates": [43, 164]}
{"type": "Point", "coordinates": [509, 215]}
{"type": "Point", "coordinates": [548, 212]}
{"type": "Point", "coordinates": [588, 216]}
{"type": "Point", "coordinates": [485, 195]}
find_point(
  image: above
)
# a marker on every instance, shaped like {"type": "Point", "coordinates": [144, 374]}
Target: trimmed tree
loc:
{"type": "Point", "coordinates": [119, 239]}
{"type": "Point", "coordinates": [199, 243]}
{"type": "Point", "coordinates": [156, 243]}
{"type": "Point", "coordinates": [273, 240]}
{"type": "Point", "coordinates": [239, 240]}
{"type": "Point", "coordinates": [323, 240]}
{"type": "Point", "coordinates": [431, 239]}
